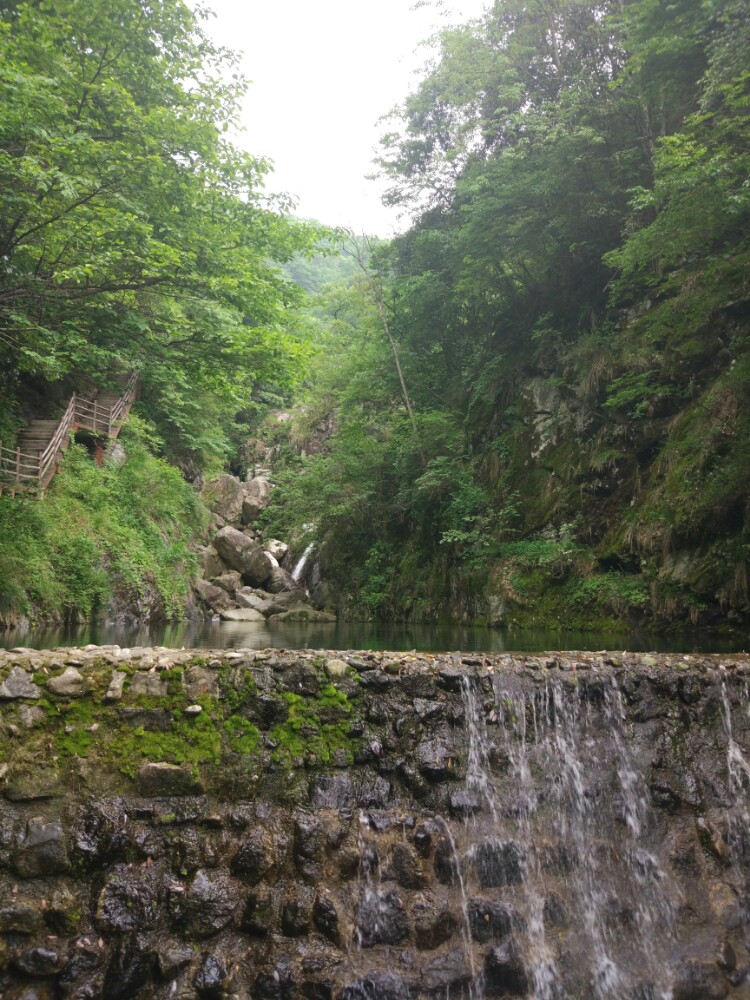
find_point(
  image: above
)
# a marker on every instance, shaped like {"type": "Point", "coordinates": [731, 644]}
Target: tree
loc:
{"type": "Point", "coordinates": [132, 232]}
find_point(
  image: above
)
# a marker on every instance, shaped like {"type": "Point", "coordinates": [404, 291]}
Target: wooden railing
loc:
{"type": "Point", "coordinates": [20, 470]}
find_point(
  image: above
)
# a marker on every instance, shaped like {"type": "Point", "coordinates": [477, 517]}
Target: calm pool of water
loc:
{"type": "Point", "coordinates": [366, 635]}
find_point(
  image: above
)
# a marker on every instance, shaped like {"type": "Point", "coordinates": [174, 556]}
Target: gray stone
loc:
{"type": "Point", "coordinates": [332, 791]}
{"type": "Point", "coordinates": [230, 581]}
{"type": "Point", "coordinates": [216, 598]}
{"type": "Point", "coordinates": [116, 686]}
{"type": "Point", "coordinates": [42, 850]}
{"type": "Point", "coordinates": [247, 598]}
{"type": "Point", "coordinates": [150, 685]}
{"type": "Point", "coordinates": [445, 975]}
{"type": "Point", "coordinates": [162, 779]}
{"type": "Point", "coordinates": [208, 905]}
{"type": "Point", "coordinates": [31, 716]}
{"type": "Point", "coordinates": [276, 548]}
{"type": "Point", "coordinates": [381, 919]}
{"type": "Point", "coordinates": [337, 668]}
{"type": "Point", "coordinates": [200, 680]}
{"type": "Point", "coordinates": [256, 495]}
{"type": "Point", "coordinates": [224, 496]}
{"type": "Point", "coordinates": [244, 555]}
{"type": "Point", "coordinates": [18, 684]}
{"type": "Point", "coordinates": [435, 759]}
{"type": "Point", "coordinates": [70, 683]}
{"type": "Point", "coordinates": [43, 783]}
{"type": "Point", "coordinates": [243, 615]}
{"type": "Point", "coordinates": [280, 581]}
{"type": "Point", "coordinates": [210, 562]}
{"type": "Point", "coordinates": [376, 986]}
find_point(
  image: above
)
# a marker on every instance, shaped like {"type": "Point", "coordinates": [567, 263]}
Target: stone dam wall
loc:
{"type": "Point", "coordinates": [371, 826]}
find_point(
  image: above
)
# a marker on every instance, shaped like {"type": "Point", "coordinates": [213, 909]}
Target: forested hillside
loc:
{"type": "Point", "coordinates": [133, 236]}
{"type": "Point", "coordinates": [570, 309]}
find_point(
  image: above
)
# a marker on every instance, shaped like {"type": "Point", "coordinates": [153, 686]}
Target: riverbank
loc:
{"type": "Point", "coordinates": [363, 824]}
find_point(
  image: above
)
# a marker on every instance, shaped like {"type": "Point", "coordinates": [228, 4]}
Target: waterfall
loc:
{"type": "Point", "coordinates": [301, 563]}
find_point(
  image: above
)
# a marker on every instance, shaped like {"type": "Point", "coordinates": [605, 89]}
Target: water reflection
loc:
{"type": "Point", "coordinates": [363, 635]}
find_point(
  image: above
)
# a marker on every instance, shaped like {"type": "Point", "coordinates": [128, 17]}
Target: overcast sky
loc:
{"type": "Point", "coordinates": [323, 72]}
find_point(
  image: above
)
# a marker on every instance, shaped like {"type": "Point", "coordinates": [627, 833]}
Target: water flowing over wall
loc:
{"type": "Point", "coordinates": [368, 826]}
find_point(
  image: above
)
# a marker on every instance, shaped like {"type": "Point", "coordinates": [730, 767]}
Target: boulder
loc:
{"type": "Point", "coordinates": [302, 613]}
{"type": "Point", "coordinates": [276, 548]}
{"type": "Point", "coordinates": [224, 496]}
{"type": "Point", "coordinates": [244, 555]}
{"type": "Point", "coordinates": [242, 615]}
{"type": "Point", "coordinates": [247, 598]}
{"type": "Point", "coordinates": [280, 580]}
{"type": "Point", "coordinates": [277, 603]}
{"type": "Point", "coordinates": [230, 580]}
{"type": "Point", "coordinates": [256, 494]}
{"type": "Point", "coordinates": [210, 562]}
{"type": "Point", "coordinates": [216, 598]}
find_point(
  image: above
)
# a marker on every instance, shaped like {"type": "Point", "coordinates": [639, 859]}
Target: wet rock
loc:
{"type": "Point", "coordinates": [42, 850]}
{"type": "Point", "coordinates": [504, 972]}
{"type": "Point", "coordinates": [450, 679]}
{"type": "Point", "coordinates": [435, 759]}
{"type": "Point", "coordinates": [213, 980]}
{"type": "Point", "coordinates": [696, 980]}
{"type": "Point", "coordinates": [131, 967]}
{"type": "Point", "coordinates": [63, 912]}
{"type": "Point", "coordinates": [326, 919]}
{"type": "Point", "coordinates": [376, 986]}
{"type": "Point", "coordinates": [296, 915]}
{"type": "Point", "coordinates": [19, 918]}
{"type": "Point", "coordinates": [244, 555]}
{"type": "Point", "coordinates": [491, 920]}
{"type": "Point", "coordinates": [40, 961]}
{"type": "Point", "coordinates": [157, 779]}
{"type": "Point", "coordinates": [406, 867]}
{"type": "Point", "coordinates": [464, 803]}
{"type": "Point", "coordinates": [208, 905]}
{"type": "Point", "coordinates": [69, 684]}
{"type": "Point", "coordinates": [444, 862]}
{"type": "Point", "coordinates": [130, 900]}
{"type": "Point", "coordinates": [375, 792]}
{"type": "Point", "coordinates": [433, 925]}
{"type": "Point", "coordinates": [498, 863]}
{"type": "Point", "coordinates": [277, 983]}
{"type": "Point", "coordinates": [381, 919]}
{"type": "Point", "coordinates": [308, 847]}
{"type": "Point", "coordinates": [257, 915]}
{"type": "Point", "coordinates": [428, 711]}
{"type": "Point", "coordinates": [332, 791]}
{"type": "Point", "coordinates": [18, 684]}
{"type": "Point", "coordinates": [445, 975]}
{"type": "Point", "coordinates": [255, 856]}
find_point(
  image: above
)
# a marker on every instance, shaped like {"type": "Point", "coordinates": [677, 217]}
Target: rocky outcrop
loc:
{"type": "Point", "coordinates": [239, 561]}
{"type": "Point", "coordinates": [367, 825]}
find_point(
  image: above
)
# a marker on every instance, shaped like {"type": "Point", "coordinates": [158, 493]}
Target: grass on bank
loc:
{"type": "Point", "coordinates": [113, 538]}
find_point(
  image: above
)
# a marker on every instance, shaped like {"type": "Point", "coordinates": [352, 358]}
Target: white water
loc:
{"type": "Point", "coordinates": [301, 563]}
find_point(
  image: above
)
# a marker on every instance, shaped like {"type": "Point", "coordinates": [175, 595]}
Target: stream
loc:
{"type": "Point", "coordinates": [365, 635]}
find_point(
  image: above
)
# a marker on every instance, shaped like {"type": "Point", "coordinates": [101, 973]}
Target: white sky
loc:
{"type": "Point", "coordinates": [323, 72]}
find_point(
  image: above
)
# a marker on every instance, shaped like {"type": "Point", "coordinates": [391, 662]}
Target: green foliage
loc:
{"type": "Point", "coordinates": [133, 234]}
{"type": "Point", "coordinates": [112, 534]}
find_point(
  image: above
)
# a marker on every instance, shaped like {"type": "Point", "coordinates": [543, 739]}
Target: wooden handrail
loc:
{"type": "Point", "coordinates": [80, 414]}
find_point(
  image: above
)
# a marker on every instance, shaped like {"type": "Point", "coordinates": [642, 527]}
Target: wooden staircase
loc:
{"type": "Point", "coordinates": [37, 454]}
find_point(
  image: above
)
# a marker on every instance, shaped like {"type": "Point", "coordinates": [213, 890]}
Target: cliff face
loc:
{"type": "Point", "coordinates": [372, 826]}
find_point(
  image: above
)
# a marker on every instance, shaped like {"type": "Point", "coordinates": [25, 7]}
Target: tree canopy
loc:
{"type": "Point", "coordinates": [133, 232]}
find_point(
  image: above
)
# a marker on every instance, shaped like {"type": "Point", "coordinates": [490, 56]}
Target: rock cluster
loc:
{"type": "Point", "coordinates": [372, 826]}
{"type": "Point", "coordinates": [246, 577]}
